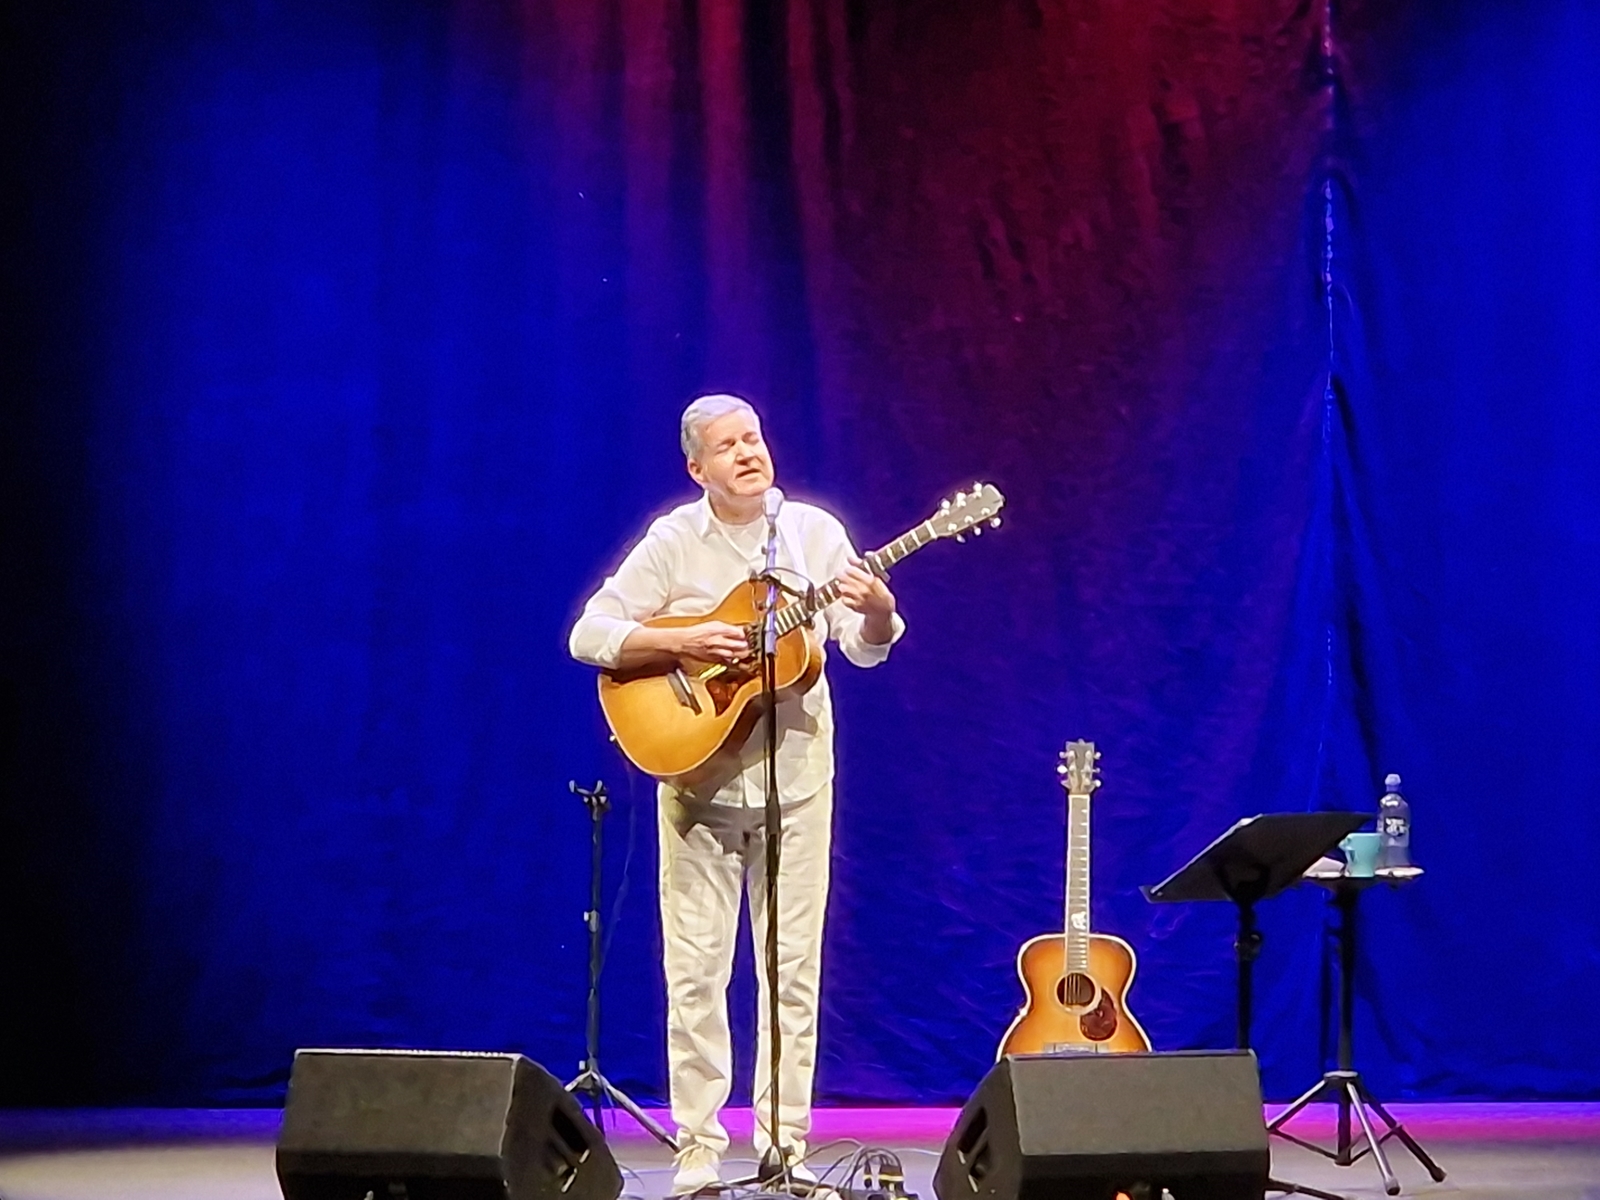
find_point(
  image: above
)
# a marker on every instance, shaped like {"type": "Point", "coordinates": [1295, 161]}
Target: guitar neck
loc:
{"type": "Point", "coordinates": [1077, 917]}
{"type": "Point", "coordinates": [799, 613]}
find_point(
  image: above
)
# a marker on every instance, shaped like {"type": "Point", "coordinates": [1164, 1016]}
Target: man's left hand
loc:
{"type": "Point", "coordinates": [867, 594]}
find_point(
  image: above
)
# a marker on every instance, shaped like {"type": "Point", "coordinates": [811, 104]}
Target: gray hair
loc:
{"type": "Point", "coordinates": [702, 411]}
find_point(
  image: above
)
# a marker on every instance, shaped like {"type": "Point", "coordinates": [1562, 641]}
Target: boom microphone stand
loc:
{"type": "Point", "coordinates": [589, 1081]}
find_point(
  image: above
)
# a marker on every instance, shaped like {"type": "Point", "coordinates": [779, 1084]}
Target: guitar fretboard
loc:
{"type": "Point", "coordinates": [800, 612]}
{"type": "Point", "coordinates": [1077, 924]}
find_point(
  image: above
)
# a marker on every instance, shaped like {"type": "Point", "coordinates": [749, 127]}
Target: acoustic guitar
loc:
{"type": "Point", "coordinates": [683, 723]}
{"type": "Point", "coordinates": [1076, 982]}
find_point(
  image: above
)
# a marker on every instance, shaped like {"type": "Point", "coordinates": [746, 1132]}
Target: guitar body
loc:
{"type": "Point", "coordinates": [692, 732]}
{"type": "Point", "coordinates": [1075, 1011]}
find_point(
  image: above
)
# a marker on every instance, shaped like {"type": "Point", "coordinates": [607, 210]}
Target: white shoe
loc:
{"type": "Point", "coordinates": [798, 1171]}
{"type": "Point", "coordinates": [699, 1170]}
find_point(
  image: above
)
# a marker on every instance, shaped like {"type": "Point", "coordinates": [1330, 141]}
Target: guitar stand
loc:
{"type": "Point", "coordinates": [1344, 1085]}
{"type": "Point", "coordinates": [589, 1081]}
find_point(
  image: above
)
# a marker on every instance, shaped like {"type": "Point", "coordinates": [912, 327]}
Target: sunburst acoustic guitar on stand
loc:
{"type": "Point", "coordinates": [682, 722]}
{"type": "Point", "coordinates": [1076, 982]}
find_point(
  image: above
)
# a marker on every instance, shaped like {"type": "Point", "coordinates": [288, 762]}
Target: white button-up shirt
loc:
{"type": "Point", "coordinates": [685, 565]}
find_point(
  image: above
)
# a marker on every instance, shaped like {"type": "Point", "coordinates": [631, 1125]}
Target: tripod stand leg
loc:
{"type": "Point", "coordinates": [598, 1089]}
{"type": "Point", "coordinates": [1300, 1189]}
{"type": "Point", "coordinates": [586, 1087]}
{"type": "Point", "coordinates": [648, 1123]}
{"type": "Point", "coordinates": [1288, 1114]}
{"type": "Point", "coordinates": [1390, 1183]}
{"type": "Point", "coordinates": [1410, 1142]}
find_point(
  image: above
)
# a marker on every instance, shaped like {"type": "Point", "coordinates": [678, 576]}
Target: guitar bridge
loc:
{"type": "Point", "coordinates": [681, 689]}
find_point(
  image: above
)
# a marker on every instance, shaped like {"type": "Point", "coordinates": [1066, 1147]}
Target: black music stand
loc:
{"type": "Point", "coordinates": [1254, 860]}
{"type": "Point", "coordinates": [1344, 1082]}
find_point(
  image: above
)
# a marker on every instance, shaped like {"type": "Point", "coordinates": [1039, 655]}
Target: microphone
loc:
{"type": "Point", "coordinates": [771, 502]}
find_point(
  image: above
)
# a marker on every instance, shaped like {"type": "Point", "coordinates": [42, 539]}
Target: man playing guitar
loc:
{"type": "Point", "coordinates": [711, 831]}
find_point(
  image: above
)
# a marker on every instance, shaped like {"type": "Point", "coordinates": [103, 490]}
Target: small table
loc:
{"type": "Point", "coordinates": [1345, 1082]}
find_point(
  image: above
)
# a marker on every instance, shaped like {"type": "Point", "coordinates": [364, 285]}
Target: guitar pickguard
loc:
{"type": "Point", "coordinates": [1099, 1024]}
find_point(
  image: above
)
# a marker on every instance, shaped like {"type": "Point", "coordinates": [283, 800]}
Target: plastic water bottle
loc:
{"type": "Point", "coordinates": [1394, 826]}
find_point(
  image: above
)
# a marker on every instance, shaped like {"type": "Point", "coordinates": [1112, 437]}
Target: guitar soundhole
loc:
{"type": "Point", "coordinates": [723, 688]}
{"type": "Point", "coordinates": [1075, 990]}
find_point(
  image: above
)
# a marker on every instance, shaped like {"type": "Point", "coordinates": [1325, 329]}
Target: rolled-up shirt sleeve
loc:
{"type": "Point", "coordinates": [844, 624]}
{"type": "Point", "coordinates": [636, 592]}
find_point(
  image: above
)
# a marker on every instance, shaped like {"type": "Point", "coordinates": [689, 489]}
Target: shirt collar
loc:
{"type": "Point", "coordinates": [705, 520]}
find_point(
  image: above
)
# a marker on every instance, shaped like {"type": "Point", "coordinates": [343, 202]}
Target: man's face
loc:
{"type": "Point", "coordinates": [734, 463]}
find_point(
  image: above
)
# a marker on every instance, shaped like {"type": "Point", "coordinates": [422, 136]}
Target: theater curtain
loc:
{"type": "Point", "coordinates": [349, 352]}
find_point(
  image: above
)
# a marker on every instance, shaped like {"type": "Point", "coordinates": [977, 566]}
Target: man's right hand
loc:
{"type": "Point", "coordinates": [712, 641]}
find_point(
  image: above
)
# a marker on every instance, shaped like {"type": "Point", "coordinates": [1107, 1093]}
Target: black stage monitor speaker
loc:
{"type": "Point", "coordinates": [424, 1125]}
{"type": "Point", "coordinates": [1085, 1127]}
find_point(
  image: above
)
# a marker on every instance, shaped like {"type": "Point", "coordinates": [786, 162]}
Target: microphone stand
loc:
{"type": "Point", "coordinates": [774, 1173]}
{"type": "Point", "coordinates": [774, 827]}
{"type": "Point", "coordinates": [590, 1081]}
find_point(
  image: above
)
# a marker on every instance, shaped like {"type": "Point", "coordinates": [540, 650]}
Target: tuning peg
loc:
{"type": "Point", "coordinates": [961, 537]}
{"type": "Point", "coordinates": [944, 506]}
{"type": "Point", "coordinates": [1062, 769]}
{"type": "Point", "coordinates": [995, 523]}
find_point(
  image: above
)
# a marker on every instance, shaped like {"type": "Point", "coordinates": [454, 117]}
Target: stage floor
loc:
{"type": "Point", "coordinates": [1491, 1152]}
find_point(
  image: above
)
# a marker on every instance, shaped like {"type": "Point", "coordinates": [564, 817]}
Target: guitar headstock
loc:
{"type": "Point", "coordinates": [1079, 774]}
{"type": "Point", "coordinates": [969, 510]}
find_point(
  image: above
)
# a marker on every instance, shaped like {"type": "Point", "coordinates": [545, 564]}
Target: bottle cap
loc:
{"type": "Point", "coordinates": [1391, 783]}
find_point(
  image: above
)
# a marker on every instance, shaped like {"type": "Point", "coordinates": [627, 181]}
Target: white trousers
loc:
{"type": "Point", "coordinates": [710, 854]}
